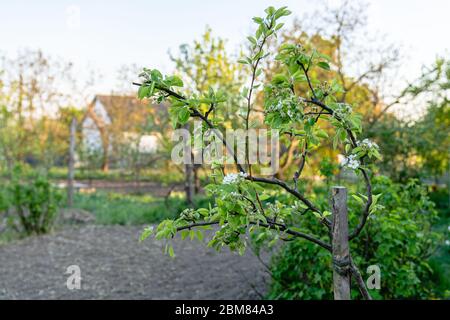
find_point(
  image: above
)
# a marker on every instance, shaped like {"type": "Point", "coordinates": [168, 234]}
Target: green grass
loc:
{"type": "Point", "coordinates": [114, 208]}
{"type": "Point", "coordinates": [440, 261]}
{"type": "Point", "coordinates": [148, 175]}
{"type": "Point", "coordinates": [122, 175]}
{"type": "Point", "coordinates": [8, 236]}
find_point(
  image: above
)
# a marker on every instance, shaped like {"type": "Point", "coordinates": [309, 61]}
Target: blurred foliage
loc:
{"type": "Point", "coordinates": [31, 205]}
{"type": "Point", "coordinates": [419, 147]}
{"type": "Point", "coordinates": [399, 239]}
{"type": "Point", "coordinates": [113, 175]}
{"type": "Point", "coordinates": [207, 65]}
{"type": "Point", "coordinates": [33, 107]}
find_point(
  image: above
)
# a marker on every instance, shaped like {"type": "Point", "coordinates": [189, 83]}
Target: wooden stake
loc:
{"type": "Point", "coordinates": [71, 169]}
{"type": "Point", "coordinates": [340, 248]}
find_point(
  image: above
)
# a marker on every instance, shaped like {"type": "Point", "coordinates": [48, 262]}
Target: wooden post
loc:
{"type": "Point", "coordinates": [341, 252]}
{"type": "Point", "coordinates": [71, 169]}
{"type": "Point", "coordinates": [189, 174]}
{"type": "Point", "coordinates": [189, 182]}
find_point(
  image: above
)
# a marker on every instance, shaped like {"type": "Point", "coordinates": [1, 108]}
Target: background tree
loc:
{"type": "Point", "coordinates": [206, 65]}
{"type": "Point", "coordinates": [32, 89]}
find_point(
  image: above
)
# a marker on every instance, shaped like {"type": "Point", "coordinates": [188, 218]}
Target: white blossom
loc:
{"type": "Point", "coordinates": [287, 110]}
{"type": "Point", "coordinates": [235, 195]}
{"type": "Point", "coordinates": [368, 144]}
{"type": "Point", "coordinates": [342, 110]}
{"type": "Point", "coordinates": [351, 162]}
{"type": "Point", "coordinates": [232, 178]}
{"type": "Point", "coordinates": [277, 107]}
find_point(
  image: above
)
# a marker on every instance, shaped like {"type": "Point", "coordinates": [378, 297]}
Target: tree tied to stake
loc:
{"type": "Point", "coordinates": [240, 200]}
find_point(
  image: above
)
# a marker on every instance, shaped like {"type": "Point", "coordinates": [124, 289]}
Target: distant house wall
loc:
{"type": "Point", "coordinates": [100, 111]}
{"type": "Point", "coordinates": [147, 144]}
{"type": "Point", "coordinates": [92, 139]}
{"type": "Point", "coordinates": [91, 135]}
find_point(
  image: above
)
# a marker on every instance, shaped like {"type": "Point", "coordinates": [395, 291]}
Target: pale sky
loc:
{"type": "Point", "coordinates": [112, 33]}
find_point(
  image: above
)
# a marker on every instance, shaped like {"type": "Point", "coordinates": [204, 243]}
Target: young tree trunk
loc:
{"type": "Point", "coordinates": [197, 178]}
{"type": "Point", "coordinates": [71, 169]}
{"type": "Point", "coordinates": [189, 183]}
{"type": "Point", "coordinates": [105, 161]}
{"type": "Point", "coordinates": [105, 146]}
{"type": "Point", "coordinates": [340, 247]}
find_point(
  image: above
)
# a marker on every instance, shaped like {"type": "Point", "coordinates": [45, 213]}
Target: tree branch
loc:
{"type": "Point", "coordinates": [365, 213]}
{"type": "Point", "coordinates": [297, 194]}
{"type": "Point", "coordinates": [359, 280]}
{"type": "Point", "coordinates": [354, 143]}
{"type": "Point", "coordinates": [278, 227]}
{"type": "Point", "coordinates": [196, 113]}
{"type": "Point", "coordinates": [309, 80]}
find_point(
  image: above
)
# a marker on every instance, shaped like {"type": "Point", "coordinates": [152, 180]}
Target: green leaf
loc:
{"type": "Point", "coordinates": [146, 233]}
{"type": "Point", "coordinates": [155, 75]}
{"type": "Point", "coordinates": [324, 56]}
{"type": "Point", "coordinates": [171, 252]}
{"type": "Point", "coordinates": [358, 199]}
{"type": "Point", "coordinates": [259, 32]}
{"type": "Point", "coordinates": [258, 20]}
{"type": "Point", "coordinates": [174, 81]}
{"type": "Point", "coordinates": [184, 234]}
{"type": "Point", "coordinates": [322, 133]}
{"type": "Point", "coordinates": [252, 40]}
{"type": "Point", "coordinates": [203, 211]}
{"type": "Point", "coordinates": [323, 65]}
{"type": "Point", "coordinates": [152, 89]}
{"type": "Point", "coordinates": [282, 12]}
{"type": "Point", "coordinates": [335, 141]}
{"type": "Point", "coordinates": [264, 196]}
{"type": "Point", "coordinates": [269, 10]}
{"type": "Point", "coordinates": [375, 198]}
{"type": "Point", "coordinates": [279, 79]}
{"type": "Point", "coordinates": [279, 26]}
{"type": "Point", "coordinates": [348, 148]}
{"type": "Point", "coordinates": [183, 115]}
{"type": "Point", "coordinates": [317, 215]}
{"type": "Point", "coordinates": [143, 91]}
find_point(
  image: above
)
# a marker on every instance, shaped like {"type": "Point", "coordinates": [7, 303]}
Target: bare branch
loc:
{"type": "Point", "coordinates": [365, 213]}
{"type": "Point", "coordinates": [359, 280]}
{"type": "Point", "coordinates": [297, 194]}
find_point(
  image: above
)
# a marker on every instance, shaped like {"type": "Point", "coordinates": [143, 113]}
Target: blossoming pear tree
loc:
{"type": "Point", "coordinates": [240, 205]}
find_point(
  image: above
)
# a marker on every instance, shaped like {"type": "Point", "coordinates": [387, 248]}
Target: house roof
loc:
{"type": "Point", "coordinates": [117, 105]}
{"type": "Point", "coordinates": [125, 112]}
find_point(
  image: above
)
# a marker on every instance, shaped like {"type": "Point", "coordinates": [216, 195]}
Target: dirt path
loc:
{"type": "Point", "coordinates": [115, 266]}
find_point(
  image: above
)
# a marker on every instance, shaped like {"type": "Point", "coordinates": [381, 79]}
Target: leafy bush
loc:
{"type": "Point", "coordinates": [35, 204]}
{"type": "Point", "coordinates": [399, 239]}
{"type": "Point", "coordinates": [440, 197]}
